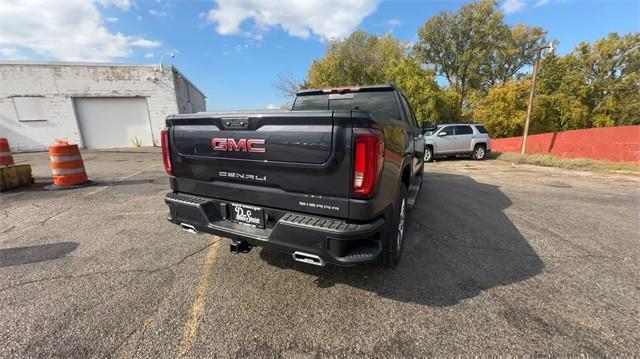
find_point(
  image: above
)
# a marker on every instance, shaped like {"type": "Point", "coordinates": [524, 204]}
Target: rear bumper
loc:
{"type": "Point", "coordinates": [335, 241]}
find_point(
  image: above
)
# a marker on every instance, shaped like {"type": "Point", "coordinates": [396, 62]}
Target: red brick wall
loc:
{"type": "Point", "coordinates": [609, 143]}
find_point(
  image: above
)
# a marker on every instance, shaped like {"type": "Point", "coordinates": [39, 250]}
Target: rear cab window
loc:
{"type": "Point", "coordinates": [380, 104]}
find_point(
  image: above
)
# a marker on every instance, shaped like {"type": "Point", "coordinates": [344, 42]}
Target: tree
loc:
{"type": "Point", "coordinates": [594, 86]}
{"type": "Point", "coordinates": [457, 44]}
{"type": "Point", "coordinates": [474, 49]}
{"type": "Point", "coordinates": [360, 59]}
{"type": "Point", "coordinates": [562, 98]}
{"type": "Point", "coordinates": [287, 86]}
{"type": "Point", "coordinates": [612, 67]}
{"type": "Point", "coordinates": [419, 85]}
{"type": "Point", "coordinates": [503, 109]}
{"type": "Point", "coordinates": [515, 50]}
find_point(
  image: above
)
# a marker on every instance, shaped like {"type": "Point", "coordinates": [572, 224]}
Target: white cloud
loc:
{"type": "Point", "coordinates": [272, 107]}
{"type": "Point", "coordinates": [327, 19]}
{"type": "Point", "coordinates": [541, 2]}
{"type": "Point", "coordinates": [112, 19]}
{"type": "Point", "coordinates": [147, 44]}
{"type": "Point", "coordinates": [121, 4]}
{"type": "Point", "coordinates": [392, 22]}
{"type": "Point", "coordinates": [157, 13]}
{"type": "Point", "coordinates": [148, 55]}
{"type": "Point", "coordinates": [73, 31]}
{"type": "Point", "coordinates": [8, 51]}
{"type": "Point", "coordinates": [511, 6]}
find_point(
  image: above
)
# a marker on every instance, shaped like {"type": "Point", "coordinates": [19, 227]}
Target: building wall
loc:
{"type": "Point", "coordinates": [189, 98]}
{"type": "Point", "coordinates": [56, 85]}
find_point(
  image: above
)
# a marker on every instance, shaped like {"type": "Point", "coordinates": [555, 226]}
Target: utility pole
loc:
{"type": "Point", "coordinates": [532, 95]}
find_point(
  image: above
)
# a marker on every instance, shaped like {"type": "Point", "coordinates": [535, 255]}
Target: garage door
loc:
{"type": "Point", "coordinates": [113, 122]}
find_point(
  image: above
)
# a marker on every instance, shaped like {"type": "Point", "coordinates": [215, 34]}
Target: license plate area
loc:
{"type": "Point", "coordinates": [249, 215]}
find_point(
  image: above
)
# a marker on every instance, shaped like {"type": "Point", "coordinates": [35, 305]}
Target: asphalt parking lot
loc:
{"type": "Point", "coordinates": [500, 259]}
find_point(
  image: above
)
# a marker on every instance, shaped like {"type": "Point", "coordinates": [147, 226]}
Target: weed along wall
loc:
{"type": "Point", "coordinates": [618, 144]}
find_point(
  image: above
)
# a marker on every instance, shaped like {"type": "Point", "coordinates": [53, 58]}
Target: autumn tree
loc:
{"type": "Point", "coordinates": [612, 71]}
{"type": "Point", "coordinates": [474, 49]}
{"type": "Point", "coordinates": [595, 85]}
{"type": "Point", "coordinates": [419, 85]}
{"type": "Point", "coordinates": [360, 59]}
{"type": "Point", "coordinates": [503, 109]}
{"type": "Point", "coordinates": [515, 50]}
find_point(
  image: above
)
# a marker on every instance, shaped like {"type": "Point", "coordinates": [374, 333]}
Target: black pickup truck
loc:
{"type": "Point", "coordinates": [328, 182]}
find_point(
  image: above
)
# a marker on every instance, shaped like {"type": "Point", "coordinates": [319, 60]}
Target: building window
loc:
{"type": "Point", "coordinates": [29, 108]}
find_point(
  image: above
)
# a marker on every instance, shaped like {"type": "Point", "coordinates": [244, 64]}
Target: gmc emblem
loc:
{"type": "Point", "coordinates": [244, 145]}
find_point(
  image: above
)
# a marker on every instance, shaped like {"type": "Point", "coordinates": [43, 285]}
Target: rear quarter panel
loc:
{"type": "Point", "coordinates": [397, 150]}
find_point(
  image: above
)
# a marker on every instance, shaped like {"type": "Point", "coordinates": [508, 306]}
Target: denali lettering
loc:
{"type": "Point", "coordinates": [242, 145]}
{"type": "Point", "coordinates": [242, 176]}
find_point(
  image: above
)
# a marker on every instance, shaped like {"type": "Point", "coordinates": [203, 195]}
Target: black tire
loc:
{"type": "Point", "coordinates": [479, 152]}
{"type": "Point", "coordinates": [428, 154]}
{"type": "Point", "coordinates": [393, 241]}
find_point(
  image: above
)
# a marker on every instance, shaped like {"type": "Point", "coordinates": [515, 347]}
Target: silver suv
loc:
{"type": "Point", "coordinates": [457, 139]}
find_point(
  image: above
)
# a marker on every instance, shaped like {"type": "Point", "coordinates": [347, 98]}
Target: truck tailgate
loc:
{"type": "Point", "coordinates": [289, 160]}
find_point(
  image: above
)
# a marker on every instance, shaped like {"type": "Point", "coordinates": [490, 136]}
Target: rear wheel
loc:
{"type": "Point", "coordinates": [428, 154]}
{"type": "Point", "coordinates": [478, 152]}
{"type": "Point", "coordinates": [393, 242]}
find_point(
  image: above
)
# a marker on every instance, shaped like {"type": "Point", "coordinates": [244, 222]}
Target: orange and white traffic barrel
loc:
{"type": "Point", "coordinates": [6, 158]}
{"type": "Point", "coordinates": [67, 166]}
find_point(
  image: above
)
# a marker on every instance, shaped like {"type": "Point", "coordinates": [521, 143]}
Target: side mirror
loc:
{"type": "Point", "coordinates": [442, 134]}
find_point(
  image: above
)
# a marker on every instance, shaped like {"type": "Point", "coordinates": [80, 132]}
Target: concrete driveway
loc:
{"type": "Point", "coordinates": [499, 259]}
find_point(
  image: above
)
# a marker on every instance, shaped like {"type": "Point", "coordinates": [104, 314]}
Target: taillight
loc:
{"type": "Point", "coordinates": [367, 161]}
{"type": "Point", "coordinates": [166, 157]}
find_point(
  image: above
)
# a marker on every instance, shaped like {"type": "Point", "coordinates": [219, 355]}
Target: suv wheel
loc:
{"type": "Point", "coordinates": [428, 154]}
{"type": "Point", "coordinates": [478, 152]}
{"type": "Point", "coordinates": [393, 242]}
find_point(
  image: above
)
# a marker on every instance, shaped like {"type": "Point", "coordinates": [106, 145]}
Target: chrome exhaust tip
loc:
{"type": "Point", "coordinates": [308, 258]}
{"type": "Point", "coordinates": [188, 228]}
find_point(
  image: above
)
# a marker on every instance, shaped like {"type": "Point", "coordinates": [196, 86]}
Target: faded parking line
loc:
{"type": "Point", "coordinates": [199, 301]}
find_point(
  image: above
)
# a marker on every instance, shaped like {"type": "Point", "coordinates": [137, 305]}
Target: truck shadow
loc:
{"type": "Point", "coordinates": [459, 243]}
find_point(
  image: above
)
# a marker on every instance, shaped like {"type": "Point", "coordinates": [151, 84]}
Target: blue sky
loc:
{"type": "Point", "coordinates": [234, 50]}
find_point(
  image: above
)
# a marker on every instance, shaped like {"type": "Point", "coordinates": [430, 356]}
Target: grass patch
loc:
{"type": "Point", "coordinates": [583, 164]}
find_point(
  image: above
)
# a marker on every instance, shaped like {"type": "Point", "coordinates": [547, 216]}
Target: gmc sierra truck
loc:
{"type": "Point", "coordinates": [329, 181]}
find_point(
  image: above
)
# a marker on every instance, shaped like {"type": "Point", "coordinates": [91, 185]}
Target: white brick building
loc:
{"type": "Point", "coordinates": [95, 105]}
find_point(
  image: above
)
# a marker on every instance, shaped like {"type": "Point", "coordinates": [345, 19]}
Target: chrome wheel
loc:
{"type": "Point", "coordinates": [427, 155]}
{"type": "Point", "coordinates": [479, 153]}
{"type": "Point", "coordinates": [400, 234]}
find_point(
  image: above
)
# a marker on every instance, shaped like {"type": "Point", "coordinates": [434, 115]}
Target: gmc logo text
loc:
{"type": "Point", "coordinates": [244, 145]}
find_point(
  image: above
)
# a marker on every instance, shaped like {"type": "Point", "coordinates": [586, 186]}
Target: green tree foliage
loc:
{"type": "Point", "coordinates": [419, 85]}
{"type": "Point", "coordinates": [515, 50]}
{"type": "Point", "coordinates": [486, 64]}
{"type": "Point", "coordinates": [360, 59]}
{"type": "Point", "coordinates": [594, 86]}
{"type": "Point", "coordinates": [612, 71]}
{"type": "Point", "coordinates": [504, 108]}
{"type": "Point", "coordinates": [561, 103]}
{"type": "Point", "coordinates": [366, 59]}
{"type": "Point", "coordinates": [473, 48]}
